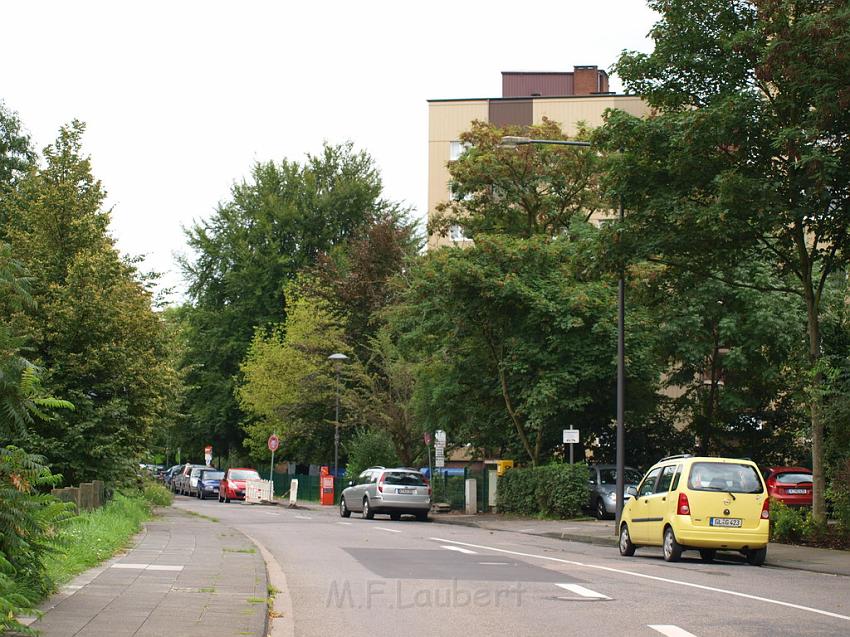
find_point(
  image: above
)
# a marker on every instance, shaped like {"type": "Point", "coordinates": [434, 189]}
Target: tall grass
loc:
{"type": "Point", "coordinates": [95, 536]}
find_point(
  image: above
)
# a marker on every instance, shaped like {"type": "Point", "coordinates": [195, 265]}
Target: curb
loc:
{"type": "Point", "coordinates": [567, 537]}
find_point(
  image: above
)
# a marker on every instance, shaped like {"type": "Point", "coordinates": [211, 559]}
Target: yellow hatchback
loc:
{"type": "Point", "coordinates": [686, 502]}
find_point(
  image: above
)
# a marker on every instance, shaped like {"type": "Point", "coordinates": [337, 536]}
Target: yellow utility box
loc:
{"type": "Point", "coordinates": [503, 465]}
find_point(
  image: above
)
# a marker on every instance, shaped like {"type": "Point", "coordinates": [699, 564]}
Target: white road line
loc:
{"type": "Point", "coordinates": [670, 630]}
{"type": "Point", "coordinates": [460, 550]}
{"type": "Point", "coordinates": [581, 590]}
{"type": "Point", "coordinates": [345, 523]}
{"type": "Point", "coordinates": [494, 563]}
{"type": "Point", "coordinates": [525, 530]}
{"type": "Point", "coordinates": [383, 528]}
{"type": "Point", "coordinates": [303, 517]}
{"type": "Point", "coordinates": [652, 577]}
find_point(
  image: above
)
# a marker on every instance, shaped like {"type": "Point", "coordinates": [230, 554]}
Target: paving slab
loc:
{"type": "Point", "coordinates": [185, 576]}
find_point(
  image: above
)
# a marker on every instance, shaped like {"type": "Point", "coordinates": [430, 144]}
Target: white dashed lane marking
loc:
{"type": "Point", "coordinates": [345, 523]}
{"type": "Point", "coordinates": [670, 630]}
{"type": "Point", "coordinates": [582, 591]}
{"type": "Point", "coordinates": [460, 550]}
{"type": "Point", "coordinates": [303, 517]}
{"type": "Point", "coordinates": [383, 528]}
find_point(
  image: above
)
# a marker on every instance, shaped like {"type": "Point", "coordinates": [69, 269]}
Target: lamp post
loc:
{"type": "Point", "coordinates": [338, 359]}
{"type": "Point", "coordinates": [512, 142]}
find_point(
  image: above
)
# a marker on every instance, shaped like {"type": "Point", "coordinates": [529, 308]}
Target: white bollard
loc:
{"type": "Point", "coordinates": [471, 496]}
{"type": "Point", "coordinates": [293, 492]}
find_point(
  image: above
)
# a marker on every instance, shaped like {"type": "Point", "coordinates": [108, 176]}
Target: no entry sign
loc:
{"type": "Point", "coordinates": [274, 442]}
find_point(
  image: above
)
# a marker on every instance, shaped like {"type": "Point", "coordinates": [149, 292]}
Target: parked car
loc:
{"type": "Point", "coordinates": [686, 502]}
{"type": "Point", "coordinates": [170, 474]}
{"type": "Point", "coordinates": [602, 498]}
{"type": "Point", "coordinates": [183, 482]}
{"type": "Point", "coordinates": [792, 486]}
{"type": "Point", "coordinates": [208, 483]}
{"type": "Point", "coordinates": [393, 491]}
{"type": "Point", "coordinates": [195, 472]}
{"type": "Point", "coordinates": [232, 486]}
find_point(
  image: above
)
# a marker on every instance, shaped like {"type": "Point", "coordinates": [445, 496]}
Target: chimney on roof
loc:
{"type": "Point", "coordinates": [589, 80]}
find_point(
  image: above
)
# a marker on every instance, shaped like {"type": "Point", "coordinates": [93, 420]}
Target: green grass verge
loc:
{"type": "Point", "coordinates": [95, 536]}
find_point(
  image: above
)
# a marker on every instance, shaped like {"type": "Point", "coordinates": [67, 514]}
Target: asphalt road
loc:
{"type": "Point", "coordinates": [358, 577]}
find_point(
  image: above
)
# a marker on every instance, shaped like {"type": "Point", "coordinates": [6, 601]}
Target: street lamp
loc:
{"type": "Point", "coordinates": [338, 359]}
{"type": "Point", "coordinates": [513, 142]}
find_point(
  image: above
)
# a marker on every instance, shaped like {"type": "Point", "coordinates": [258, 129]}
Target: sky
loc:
{"type": "Point", "coordinates": [181, 98]}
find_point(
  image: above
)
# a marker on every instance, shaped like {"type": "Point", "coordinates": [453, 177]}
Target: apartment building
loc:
{"type": "Point", "coordinates": [580, 95]}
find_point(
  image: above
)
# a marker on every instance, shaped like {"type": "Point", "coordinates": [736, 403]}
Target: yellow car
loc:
{"type": "Point", "coordinates": [686, 502]}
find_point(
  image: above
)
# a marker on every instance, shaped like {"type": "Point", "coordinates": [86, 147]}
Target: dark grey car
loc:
{"type": "Point", "coordinates": [603, 488]}
{"type": "Point", "coordinates": [393, 491]}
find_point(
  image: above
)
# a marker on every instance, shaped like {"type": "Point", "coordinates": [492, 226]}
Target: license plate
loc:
{"type": "Point", "coordinates": [407, 491]}
{"type": "Point", "coordinates": [215, 489]}
{"type": "Point", "coordinates": [735, 522]}
{"type": "Point", "coordinates": [798, 491]}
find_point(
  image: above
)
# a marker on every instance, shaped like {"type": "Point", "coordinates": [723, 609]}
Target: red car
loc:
{"type": "Point", "coordinates": [232, 486]}
{"type": "Point", "coordinates": [792, 486]}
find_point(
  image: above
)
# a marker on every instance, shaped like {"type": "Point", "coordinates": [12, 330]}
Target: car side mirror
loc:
{"type": "Point", "coordinates": [631, 492]}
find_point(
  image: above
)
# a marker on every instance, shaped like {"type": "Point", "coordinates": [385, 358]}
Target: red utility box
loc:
{"type": "Point", "coordinates": [326, 495]}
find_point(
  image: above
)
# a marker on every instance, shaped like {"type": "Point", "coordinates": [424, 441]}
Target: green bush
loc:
{"type": "Point", "coordinates": [157, 495]}
{"type": "Point", "coordinates": [369, 448]}
{"type": "Point", "coordinates": [838, 495]}
{"type": "Point", "coordinates": [556, 490]}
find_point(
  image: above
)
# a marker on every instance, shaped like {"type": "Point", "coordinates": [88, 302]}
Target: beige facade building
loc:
{"type": "Point", "coordinates": [567, 98]}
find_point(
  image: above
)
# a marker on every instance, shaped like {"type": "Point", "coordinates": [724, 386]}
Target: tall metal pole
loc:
{"type": "Point", "coordinates": [336, 427]}
{"type": "Point", "coordinates": [621, 387]}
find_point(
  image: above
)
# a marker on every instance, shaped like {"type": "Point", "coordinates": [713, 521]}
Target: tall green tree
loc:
{"type": "Point", "coordinates": [91, 327]}
{"type": "Point", "coordinates": [16, 158]}
{"type": "Point", "coordinates": [523, 191]}
{"type": "Point", "coordinates": [517, 319]}
{"type": "Point", "coordinates": [748, 155]}
{"type": "Point", "coordinates": [276, 223]}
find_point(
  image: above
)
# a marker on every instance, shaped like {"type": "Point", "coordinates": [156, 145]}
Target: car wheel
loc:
{"type": "Point", "coordinates": [343, 509]}
{"type": "Point", "coordinates": [226, 500]}
{"type": "Point", "coordinates": [756, 557]}
{"type": "Point", "coordinates": [367, 510]}
{"type": "Point", "coordinates": [395, 516]}
{"type": "Point", "coordinates": [627, 549]}
{"type": "Point", "coordinates": [707, 555]}
{"type": "Point", "coordinates": [672, 549]}
{"type": "Point", "coordinates": [422, 516]}
{"type": "Point", "coordinates": [220, 499]}
{"type": "Point", "coordinates": [601, 513]}
{"type": "Point", "coordinates": [202, 495]}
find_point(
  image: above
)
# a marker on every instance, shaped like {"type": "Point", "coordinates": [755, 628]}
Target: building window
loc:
{"type": "Point", "coordinates": [456, 233]}
{"type": "Point", "coordinates": [456, 149]}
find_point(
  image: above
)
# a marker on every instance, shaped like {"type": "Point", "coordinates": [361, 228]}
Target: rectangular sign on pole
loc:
{"type": "Point", "coordinates": [570, 436]}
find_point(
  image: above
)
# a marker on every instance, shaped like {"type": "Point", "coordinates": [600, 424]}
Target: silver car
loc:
{"type": "Point", "coordinates": [392, 491]}
{"type": "Point", "coordinates": [603, 488]}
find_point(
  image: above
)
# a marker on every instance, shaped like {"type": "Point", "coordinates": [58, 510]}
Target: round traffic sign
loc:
{"type": "Point", "coordinates": [274, 442]}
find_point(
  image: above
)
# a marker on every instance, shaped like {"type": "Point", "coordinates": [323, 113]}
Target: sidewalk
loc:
{"type": "Point", "coordinates": [802, 558]}
{"type": "Point", "coordinates": [186, 576]}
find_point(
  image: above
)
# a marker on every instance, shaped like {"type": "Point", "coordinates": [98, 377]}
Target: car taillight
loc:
{"type": "Point", "coordinates": [765, 509]}
{"type": "Point", "coordinates": [684, 508]}
{"type": "Point", "coordinates": [381, 484]}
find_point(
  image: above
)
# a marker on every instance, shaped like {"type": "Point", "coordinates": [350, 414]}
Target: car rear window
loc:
{"type": "Point", "coordinates": [408, 478]}
{"type": "Point", "coordinates": [793, 478]}
{"type": "Point", "coordinates": [724, 476]}
{"type": "Point", "coordinates": [244, 475]}
{"type": "Point", "coordinates": [213, 475]}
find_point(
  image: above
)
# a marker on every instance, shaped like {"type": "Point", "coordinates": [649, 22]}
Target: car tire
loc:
{"type": "Point", "coordinates": [226, 500]}
{"type": "Point", "coordinates": [627, 549]}
{"type": "Point", "coordinates": [395, 517]}
{"type": "Point", "coordinates": [672, 548]}
{"type": "Point", "coordinates": [601, 513]}
{"type": "Point", "coordinates": [368, 514]}
{"type": "Point", "coordinates": [707, 555]}
{"type": "Point", "coordinates": [422, 516]}
{"type": "Point", "coordinates": [756, 557]}
{"type": "Point", "coordinates": [202, 495]}
{"type": "Point", "coordinates": [344, 511]}
{"type": "Point", "coordinates": [220, 499]}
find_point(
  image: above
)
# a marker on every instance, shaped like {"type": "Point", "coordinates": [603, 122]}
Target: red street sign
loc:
{"type": "Point", "coordinates": [274, 442]}
{"type": "Point", "coordinates": [427, 438]}
{"type": "Point", "coordinates": [208, 449]}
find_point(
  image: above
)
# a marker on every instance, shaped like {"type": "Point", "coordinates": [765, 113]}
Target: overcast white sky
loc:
{"type": "Point", "coordinates": [181, 97]}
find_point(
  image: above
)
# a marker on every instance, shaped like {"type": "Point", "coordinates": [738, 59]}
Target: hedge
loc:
{"type": "Point", "coordinates": [555, 490]}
